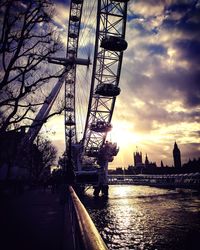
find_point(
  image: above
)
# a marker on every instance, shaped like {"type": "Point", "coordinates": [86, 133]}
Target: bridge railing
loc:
{"type": "Point", "coordinates": [191, 180]}
{"type": "Point", "coordinates": [85, 234]}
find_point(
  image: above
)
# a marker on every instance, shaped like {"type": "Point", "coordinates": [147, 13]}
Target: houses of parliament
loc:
{"type": "Point", "coordinates": [147, 167]}
{"type": "Point", "coordinates": [176, 156]}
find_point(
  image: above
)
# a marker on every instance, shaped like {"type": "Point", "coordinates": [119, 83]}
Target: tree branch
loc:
{"type": "Point", "coordinates": [21, 39]}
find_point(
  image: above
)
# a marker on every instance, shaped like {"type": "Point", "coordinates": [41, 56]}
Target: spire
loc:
{"type": "Point", "coordinates": [175, 145]}
{"type": "Point", "coordinates": [176, 156]}
{"type": "Point", "coordinates": [137, 157]}
{"type": "Point", "coordinates": [146, 160]}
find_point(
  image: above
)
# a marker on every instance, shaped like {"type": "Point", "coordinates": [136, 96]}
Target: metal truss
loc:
{"type": "Point", "coordinates": [111, 22]}
{"type": "Point", "coordinates": [70, 81]}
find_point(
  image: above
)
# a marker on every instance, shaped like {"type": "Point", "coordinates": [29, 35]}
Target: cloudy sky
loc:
{"type": "Point", "coordinates": [160, 88]}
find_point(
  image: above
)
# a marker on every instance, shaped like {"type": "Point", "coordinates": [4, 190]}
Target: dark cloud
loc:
{"type": "Point", "coordinates": [165, 84]}
{"type": "Point", "coordinates": [186, 83]}
{"type": "Point", "coordinates": [188, 18]}
{"type": "Point", "coordinates": [169, 24]}
{"type": "Point", "coordinates": [132, 16]}
{"type": "Point", "coordinates": [142, 29]}
{"type": "Point", "coordinates": [156, 49]}
{"type": "Point", "coordinates": [186, 25]}
{"type": "Point", "coordinates": [193, 99]}
{"type": "Point", "coordinates": [189, 28]}
{"type": "Point", "coordinates": [180, 7]}
{"type": "Point", "coordinates": [190, 50]}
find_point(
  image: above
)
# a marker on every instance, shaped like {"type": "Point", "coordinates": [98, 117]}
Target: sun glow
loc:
{"type": "Point", "coordinates": [123, 135]}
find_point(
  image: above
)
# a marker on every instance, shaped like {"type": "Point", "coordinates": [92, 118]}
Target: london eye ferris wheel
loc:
{"type": "Point", "coordinates": [97, 29]}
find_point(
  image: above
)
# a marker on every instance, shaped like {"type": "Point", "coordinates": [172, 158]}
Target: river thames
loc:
{"type": "Point", "coordinates": [147, 218]}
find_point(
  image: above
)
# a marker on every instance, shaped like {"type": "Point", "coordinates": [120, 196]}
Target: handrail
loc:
{"type": "Point", "coordinates": [90, 237]}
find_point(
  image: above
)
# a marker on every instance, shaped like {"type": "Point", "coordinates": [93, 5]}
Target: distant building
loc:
{"type": "Point", "coordinates": [137, 159]}
{"type": "Point", "coordinates": [177, 156]}
{"type": "Point", "coordinates": [119, 171]}
{"type": "Point", "coordinates": [146, 161]}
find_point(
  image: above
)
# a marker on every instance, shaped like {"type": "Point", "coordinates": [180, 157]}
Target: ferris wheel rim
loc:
{"type": "Point", "coordinates": [88, 129]}
{"type": "Point", "coordinates": [71, 123]}
{"type": "Point", "coordinates": [75, 15]}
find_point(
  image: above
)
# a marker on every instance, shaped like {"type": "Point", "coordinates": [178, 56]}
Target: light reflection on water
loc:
{"type": "Point", "coordinates": [140, 217]}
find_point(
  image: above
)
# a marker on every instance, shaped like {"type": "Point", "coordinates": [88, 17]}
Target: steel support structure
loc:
{"type": "Point", "coordinates": [111, 21]}
{"type": "Point", "coordinates": [70, 80]}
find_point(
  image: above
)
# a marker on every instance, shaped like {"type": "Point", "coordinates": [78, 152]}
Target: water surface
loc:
{"type": "Point", "coordinates": [141, 217]}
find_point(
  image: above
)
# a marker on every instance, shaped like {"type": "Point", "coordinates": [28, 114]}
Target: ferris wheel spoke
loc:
{"type": "Point", "coordinates": [94, 107]}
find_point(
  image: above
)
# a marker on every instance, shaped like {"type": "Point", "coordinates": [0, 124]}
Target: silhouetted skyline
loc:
{"type": "Point", "coordinates": [159, 100]}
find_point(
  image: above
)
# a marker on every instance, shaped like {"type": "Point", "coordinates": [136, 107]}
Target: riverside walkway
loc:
{"type": "Point", "coordinates": [34, 219]}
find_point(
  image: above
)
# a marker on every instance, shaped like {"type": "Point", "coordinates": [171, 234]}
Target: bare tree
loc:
{"type": "Point", "coordinates": [43, 156]}
{"type": "Point", "coordinates": [62, 160]}
{"type": "Point", "coordinates": [27, 39]}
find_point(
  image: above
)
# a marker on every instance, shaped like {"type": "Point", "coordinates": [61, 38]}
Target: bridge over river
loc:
{"type": "Point", "coordinates": [191, 180]}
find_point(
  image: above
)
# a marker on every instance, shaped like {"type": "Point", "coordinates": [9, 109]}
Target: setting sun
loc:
{"type": "Point", "coordinates": [122, 134]}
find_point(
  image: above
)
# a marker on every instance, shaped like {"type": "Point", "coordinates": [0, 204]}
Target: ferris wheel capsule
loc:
{"type": "Point", "coordinates": [75, 19]}
{"type": "Point", "coordinates": [101, 126]}
{"type": "Point", "coordinates": [73, 35]}
{"type": "Point", "coordinates": [107, 89]}
{"type": "Point", "coordinates": [109, 148]}
{"type": "Point", "coordinates": [69, 109]}
{"type": "Point", "coordinates": [69, 95]}
{"type": "Point", "coordinates": [92, 152]}
{"type": "Point", "coordinates": [114, 43]}
{"type": "Point", "coordinates": [69, 81]}
{"type": "Point", "coordinates": [71, 51]}
{"type": "Point", "coordinates": [69, 122]}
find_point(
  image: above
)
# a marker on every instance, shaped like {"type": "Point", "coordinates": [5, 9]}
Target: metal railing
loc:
{"type": "Point", "coordinates": [85, 234]}
{"type": "Point", "coordinates": [190, 180]}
